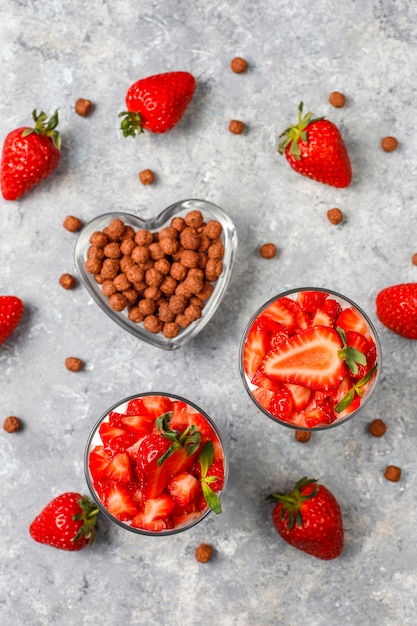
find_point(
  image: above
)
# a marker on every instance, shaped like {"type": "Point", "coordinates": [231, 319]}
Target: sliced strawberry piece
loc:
{"type": "Point", "coordinates": [277, 311]}
{"type": "Point", "coordinates": [343, 389]}
{"type": "Point", "coordinates": [217, 469]}
{"type": "Point", "coordinates": [279, 334]}
{"type": "Point", "coordinates": [119, 469]}
{"type": "Point", "coordinates": [136, 407]}
{"type": "Point", "coordinates": [115, 439]}
{"type": "Point", "coordinates": [263, 396]}
{"type": "Point", "coordinates": [309, 359]}
{"type": "Point", "coordinates": [301, 319]}
{"type": "Point", "coordinates": [301, 396]}
{"type": "Point", "coordinates": [358, 341]}
{"type": "Point", "coordinates": [281, 405]}
{"type": "Point", "coordinates": [310, 301]}
{"type": "Point", "coordinates": [156, 513]}
{"type": "Point", "coordinates": [184, 488]}
{"type": "Point", "coordinates": [260, 380]}
{"type": "Point", "coordinates": [350, 319]}
{"type": "Point", "coordinates": [185, 519]}
{"type": "Point", "coordinates": [115, 419]}
{"type": "Point", "coordinates": [256, 346]}
{"type": "Point", "coordinates": [157, 405]}
{"type": "Point", "coordinates": [314, 416]}
{"type": "Point", "coordinates": [119, 502]}
{"type": "Point", "coordinates": [132, 451]}
{"type": "Point", "coordinates": [139, 425]}
{"type": "Point", "coordinates": [98, 461]}
{"type": "Point", "coordinates": [326, 402]}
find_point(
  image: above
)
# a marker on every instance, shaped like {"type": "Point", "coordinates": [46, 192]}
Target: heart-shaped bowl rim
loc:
{"type": "Point", "coordinates": [178, 209]}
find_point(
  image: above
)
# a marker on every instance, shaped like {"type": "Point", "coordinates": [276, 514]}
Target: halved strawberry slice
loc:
{"type": "Point", "coordinates": [119, 469]}
{"type": "Point", "coordinates": [156, 513]}
{"type": "Point", "coordinates": [139, 425]}
{"type": "Point", "coordinates": [350, 319]}
{"type": "Point", "coordinates": [327, 314]}
{"type": "Point", "coordinates": [119, 502]}
{"type": "Point", "coordinates": [309, 358]}
{"type": "Point", "coordinates": [184, 488]}
{"type": "Point", "coordinates": [281, 405]}
{"type": "Point", "coordinates": [310, 301]}
{"type": "Point", "coordinates": [279, 312]}
{"type": "Point", "coordinates": [98, 461]}
{"type": "Point", "coordinates": [301, 396]}
{"type": "Point", "coordinates": [115, 439]}
{"type": "Point", "coordinates": [136, 407]}
{"type": "Point", "coordinates": [301, 319]}
{"type": "Point", "coordinates": [256, 346]}
{"type": "Point", "coordinates": [157, 405]}
{"type": "Point", "coordinates": [263, 396]}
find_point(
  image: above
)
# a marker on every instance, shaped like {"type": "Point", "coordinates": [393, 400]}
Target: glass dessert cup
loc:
{"type": "Point", "coordinates": [310, 358]}
{"type": "Point", "coordinates": [156, 464]}
{"type": "Point", "coordinates": [211, 213]}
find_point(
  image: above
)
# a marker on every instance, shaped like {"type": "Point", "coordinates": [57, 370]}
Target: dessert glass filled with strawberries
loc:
{"type": "Point", "coordinates": [310, 358]}
{"type": "Point", "coordinates": [156, 464]}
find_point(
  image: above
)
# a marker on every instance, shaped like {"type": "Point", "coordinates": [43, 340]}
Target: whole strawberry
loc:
{"type": "Point", "coordinates": [157, 103]}
{"type": "Point", "coordinates": [11, 311]}
{"type": "Point", "coordinates": [315, 148]}
{"type": "Point", "coordinates": [396, 307]}
{"type": "Point", "coordinates": [309, 518]}
{"type": "Point", "coordinates": [29, 156]}
{"type": "Point", "coordinates": [68, 522]}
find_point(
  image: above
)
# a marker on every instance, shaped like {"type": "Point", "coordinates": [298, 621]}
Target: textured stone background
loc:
{"type": "Point", "coordinates": [54, 52]}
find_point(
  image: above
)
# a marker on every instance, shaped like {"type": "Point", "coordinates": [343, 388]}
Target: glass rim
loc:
{"type": "Point", "coordinates": [102, 508]}
{"type": "Point", "coordinates": [336, 422]}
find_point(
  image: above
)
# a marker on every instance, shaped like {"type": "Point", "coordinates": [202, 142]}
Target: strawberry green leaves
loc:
{"type": "Point", "coordinates": [350, 355]}
{"type": "Point", "coordinates": [190, 439]}
{"type": "Point", "coordinates": [296, 132]}
{"type": "Point", "coordinates": [357, 388]}
{"type": "Point", "coordinates": [206, 460]}
{"type": "Point", "coordinates": [292, 501]}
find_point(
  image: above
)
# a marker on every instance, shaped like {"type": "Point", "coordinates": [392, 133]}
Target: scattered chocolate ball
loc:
{"type": "Point", "coordinates": [67, 281]}
{"type": "Point", "coordinates": [11, 424]}
{"type": "Point", "coordinates": [414, 259]}
{"type": "Point", "coordinates": [236, 127]}
{"type": "Point", "coordinates": [392, 473]}
{"type": "Point", "coordinates": [83, 107]}
{"type": "Point", "coordinates": [377, 428]}
{"type": "Point", "coordinates": [337, 99]}
{"type": "Point", "coordinates": [268, 250]}
{"type": "Point", "coordinates": [203, 553]}
{"type": "Point", "coordinates": [388, 144]}
{"type": "Point", "coordinates": [238, 65]}
{"type": "Point", "coordinates": [335, 216]}
{"type": "Point", "coordinates": [146, 177]}
{"type": "Point", "coordinates": [302, 436]}
{"type": "Point", "coordinates": [73, 364]}
{"type": "Point", "coordinates": [72, 223]}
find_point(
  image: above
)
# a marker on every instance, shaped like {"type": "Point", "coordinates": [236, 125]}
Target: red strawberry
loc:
{"type": "Point", "coordinates": [315, 148]}
{"type": "Point", "coordinates": [68, 522]}
{"type": "Point", "coordinates": [184, 488]}
{"type": "Point", "coordinates": [396, 307]}
{"type": "Point", "coordinates": [157, 405]}
{"type": "Point", "coordinates": [119, 469]}
{"type": "Point", "coordinates": [156, 514]}
{"type": "Point", "coordinates": [98, 461]}
{"type": "Point", "coordinates": [256, 346]}
{"type": "Point", "coordinates": [309, 519]}
{"type": "Point", "coordinates": [115, 439]}
{"type": "Point", "coordinates": [281, 405]}
{"type": "Point", "coordinates": [310, 301]}
{"type": "Point", "coordinates": [119, 501]}
{"type": "Point", "coordinates": [350, 319]}
{"type": "Point", "coordinates": [157, 103]}
{"type": "Point", "coordinates": [29, 155]}
{"type": "Point", "coordinates": [11, 311]}
{"type": "Point", "coordinates": [277, 311]}
{"type": "Point", "coordinates": [309, 359]}
{"type": "Point", "coordinates": [300, 396]}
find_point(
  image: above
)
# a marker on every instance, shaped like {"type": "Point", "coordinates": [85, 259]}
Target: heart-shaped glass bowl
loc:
{"type": "Point", "coordinates": [121, 427]}
{"type": "Point", "coordinates": [209, 211]}
{"type": "Point", "coordinates": [289, 316]}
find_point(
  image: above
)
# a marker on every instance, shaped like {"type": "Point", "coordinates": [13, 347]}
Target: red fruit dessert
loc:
{"type": "Point", "coordinates": [310, 358]}
{"type": "Point", "coordinates": [155, 464]}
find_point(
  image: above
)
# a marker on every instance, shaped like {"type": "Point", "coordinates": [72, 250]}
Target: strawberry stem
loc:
{"type": "Point", "coordinates": [131, 124]}
{"type": "Point", "coordinates": [88, 516]}
{"type": "Point", "coordinates": [296, 133]}
{"type": "Point", "coordinates": [45, 127]}
{"type": "Point", "coordinates": [206, 461]}
{"type": "Point", "coordinates": [190, 439]}
{"type": "Point", "coordinates": [292, 501]}
{"type": "Point", "coordinates": [350, 355]}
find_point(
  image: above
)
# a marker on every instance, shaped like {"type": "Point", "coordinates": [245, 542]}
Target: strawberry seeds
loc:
{"type": "Point", "coordinates": [156, 464]}
{"type": "Point", "coordinates": [309, 358]}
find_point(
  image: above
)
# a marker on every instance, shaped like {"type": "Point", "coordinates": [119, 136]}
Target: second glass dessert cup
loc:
{"type": "Point", "coordinates": [156, 464]}
{"type": "Point", "coordinates": [310, 358]}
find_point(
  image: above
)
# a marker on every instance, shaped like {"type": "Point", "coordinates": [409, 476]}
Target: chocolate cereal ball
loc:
{"type": "Point", "coordinates": [153, 324]}
{"type": "Point", "coordinates": [194, 219]}
{"type": "Point", "coordinates": [143, 237]}
{"type": "Point", "coordinates": [171, 329]}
